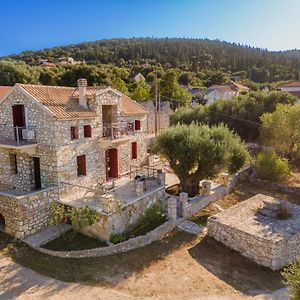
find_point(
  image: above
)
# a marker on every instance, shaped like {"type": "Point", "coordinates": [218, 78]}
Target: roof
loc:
{"type": "Point", "coordinates": [295, 93]}
{"type": "Point", "coordinates": [220, 88]}
{"type": "Point", "coordinates": [63, 101]}
{"type": "Point", "coordinates": [5, 90]}
{"type": "Point", "coordinates": [130, 107]}
{"type": "Point", "coordinates": [236, 86]}
{"type": "Point", "coordinates": [292, 84]}
{"type": "Point", "coordinates": [60, 100]}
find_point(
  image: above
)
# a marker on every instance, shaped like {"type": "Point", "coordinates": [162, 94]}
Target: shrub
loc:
{"type": "Point", "coordinates": [116, 238]}
{"type": "Point", "coordinates": [283, 212]}
{"type": "Point", "coordinates": [272, 167]}
{"type": "Point", "coordinates": [152, 216]}
{"type": "Point", "coordinates": [291, 275]}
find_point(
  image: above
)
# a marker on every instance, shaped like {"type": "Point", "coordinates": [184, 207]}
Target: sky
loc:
{"type": "Point", "coordinates": [39, 24]}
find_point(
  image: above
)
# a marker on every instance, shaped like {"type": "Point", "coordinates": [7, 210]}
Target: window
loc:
{"type": "Point", "coordinates": [137, 125]}
{"type": "Point", "coordinates": [81, 165]}
{"type": "Point", "coordinates": [87, 131]}
{"type": "Point", "coordinates": [74, 132]}
{"type": "Point", "coordinates": [13, 163]}
{"type": "Point", "coordinates": [134, 150]}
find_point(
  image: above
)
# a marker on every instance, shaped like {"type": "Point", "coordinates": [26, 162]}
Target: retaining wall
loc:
{"type": "Point", "coordinates": [130, 244]}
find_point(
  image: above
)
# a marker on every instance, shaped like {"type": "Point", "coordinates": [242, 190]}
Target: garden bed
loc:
{"type": "Point", "coordinates": [72, 240]}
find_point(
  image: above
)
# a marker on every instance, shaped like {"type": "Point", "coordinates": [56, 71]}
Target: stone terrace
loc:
{"type": "Point", "coordinates": [253, 229]}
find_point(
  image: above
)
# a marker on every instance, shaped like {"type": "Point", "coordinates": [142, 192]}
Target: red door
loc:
{"type": "Point", "coordinates": [111, 158]}
{"type": "Point", "coordinates": [18, 119]}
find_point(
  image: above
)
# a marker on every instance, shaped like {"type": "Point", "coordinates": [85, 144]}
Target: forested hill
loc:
{"type": "Point", "coordinates": [195, 55]}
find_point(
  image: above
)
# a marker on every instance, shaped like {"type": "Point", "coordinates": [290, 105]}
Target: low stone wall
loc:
{"type": "Point", "coordinates": [252, 229]}
{"type": "Point", "coordinates": [128, 245]}
{"type": "Point", "coordinates": [25, 215]}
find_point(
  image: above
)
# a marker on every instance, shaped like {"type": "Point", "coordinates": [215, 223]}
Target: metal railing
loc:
{"type": "Point", "coordinates": [117, 130]}
{"type": "Point", "coordinates": [17, 135]}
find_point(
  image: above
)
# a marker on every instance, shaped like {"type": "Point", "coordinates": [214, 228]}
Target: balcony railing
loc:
{"type": "Point", "coordinates": [17, 135]}
{"type": "Point", "coordinates": [118, 130]}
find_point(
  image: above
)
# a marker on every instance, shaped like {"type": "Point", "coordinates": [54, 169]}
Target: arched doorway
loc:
{"type": "Point", "coordinates": [2, 223]}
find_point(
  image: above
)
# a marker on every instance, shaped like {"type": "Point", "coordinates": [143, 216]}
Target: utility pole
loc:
{"type": "Point", "coordinates": [156, 92]}
{"type": "Point", "coordinates": [159, 111]}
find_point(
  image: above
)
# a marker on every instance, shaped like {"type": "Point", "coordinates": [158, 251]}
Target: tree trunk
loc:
{"type": "Point", "coordinates": [190, 185]}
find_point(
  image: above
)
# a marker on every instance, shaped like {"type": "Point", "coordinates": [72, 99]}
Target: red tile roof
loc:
{"type": "Point", "coordinates": [292, 84]}
{"type": "Point", "coordinates": [63, 101]}
{"type": "Point", "coordinates": [295, 93]}
{"type": "Point", "coordinates": [5, 90]}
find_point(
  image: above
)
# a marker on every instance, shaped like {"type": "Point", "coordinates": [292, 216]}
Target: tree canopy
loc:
{"type": "Point", "coordinates": [241, 114]}
{"type": "Point", "coordinates": [281, 130]}
{"type": "Point", "coordinates": [199, 152]}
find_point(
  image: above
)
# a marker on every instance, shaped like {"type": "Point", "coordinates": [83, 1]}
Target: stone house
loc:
{"type": "Point", "coordinates": [52, 135]}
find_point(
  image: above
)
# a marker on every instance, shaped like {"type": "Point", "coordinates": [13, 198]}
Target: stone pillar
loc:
{"type": "Point", "coordinates": [150, 160]}
{"type": "Point", "coordinates": [107, 203]}
{"type": "Point", "coordinates": [206, 187]}
{"type": "Point", "coordinates": [172, 209]}
{"type": "Point", "coordinates": [183, 197]}
{"type": "Point", "coordinates": [224, 179]}
{"type": "Point", "coordinates": [139, 188]}
{"type": "Point", "coordinates": [162, 179]}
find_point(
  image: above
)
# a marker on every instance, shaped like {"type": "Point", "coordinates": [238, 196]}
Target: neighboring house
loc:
{"type": "Point", "coordinates": [292, 88]}
{"type": "Point", "coordinates": [159, 119]}
{"type": "Point", "coordinates": [57, 142]}
{"type": "Point", "coordinates": [4, 90]}
{"type": "Point", "coordinates": [217, 92]}
{"type": "Point", "coordinates": [236, 87]}
{"type": "Point", "coordinates": [137, 77]}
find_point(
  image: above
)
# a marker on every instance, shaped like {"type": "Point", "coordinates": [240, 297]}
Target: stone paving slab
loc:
{"type": "Point", "coordinates": [191, 227]}
{"type": "Point", "coordinates": [46, 235]}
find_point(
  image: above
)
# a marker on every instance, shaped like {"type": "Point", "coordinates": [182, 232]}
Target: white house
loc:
{"type": "Point", "coordinates": [216, 92]}
{"type": "Point", "coordinates": [292, 88]}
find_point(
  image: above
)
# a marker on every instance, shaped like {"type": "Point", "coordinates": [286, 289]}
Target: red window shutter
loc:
{"type": "Point", "coordinates": [87, 131]}
{"type": "Point", "coordinates": [137, 125]}
{"type": "Point", "coordinates": [81, 165]}
{"type": "Point", "coordinates": [134, 150]}
{"type": "Point", "coordinates": [74, 133]}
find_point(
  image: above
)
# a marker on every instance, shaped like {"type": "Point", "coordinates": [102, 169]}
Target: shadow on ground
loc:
{"type": "Point", "coordinates": [103, 271]}
{"type": "Point", "coordinates": [234, 269]}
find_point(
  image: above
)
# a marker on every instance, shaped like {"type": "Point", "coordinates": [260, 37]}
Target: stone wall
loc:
{"type": "Point", "coordinates": [122, 217]}
{"type": "Point", "coordinates": [128, 245]}
{"type": "Point", "coordinates": [165, 113]}
{"type": "Point", "coordinates": [262, 237]}
{"type": "Point", "coordinates": [24, 215]}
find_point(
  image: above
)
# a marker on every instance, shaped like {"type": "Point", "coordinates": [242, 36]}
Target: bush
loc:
{"type": "Point", "coordinates": [116, 238]}
{"type": "Point", "coordinates": [291, 275]}
{"type": "Point", "coordinates": [152, 216]}
{"type": "Point", "coordinates": [272, 167]}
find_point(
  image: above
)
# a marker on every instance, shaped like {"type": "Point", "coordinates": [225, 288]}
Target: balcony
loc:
{"type": "Point", "coordinates": [18, 138]}
{"type": "Point", "coordinates": [117, 133]}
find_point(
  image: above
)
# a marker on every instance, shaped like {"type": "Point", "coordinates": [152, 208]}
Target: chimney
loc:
{"type": "Point", "coordinates": [82, 84]}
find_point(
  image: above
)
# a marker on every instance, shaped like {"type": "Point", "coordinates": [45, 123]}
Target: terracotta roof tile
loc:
{"type": "Point", "coordinates": [63, 101]}
{"type": "Point", "coordinates": [5, 90]}
{"type": "Point", "coordinates": [295, 93]}
{"type": "Point", "coordinates": [292, 84]}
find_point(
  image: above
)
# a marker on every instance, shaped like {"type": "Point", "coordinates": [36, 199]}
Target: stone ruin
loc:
{"type": "Point", "coordinates": [262, 228]}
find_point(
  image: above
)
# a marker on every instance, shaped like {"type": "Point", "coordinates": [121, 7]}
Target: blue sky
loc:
{"type": "Point", "coordinates": [38, 24]}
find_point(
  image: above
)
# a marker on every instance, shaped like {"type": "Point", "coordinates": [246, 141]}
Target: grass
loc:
{"type": "Point", "coordinates": [74, 241]}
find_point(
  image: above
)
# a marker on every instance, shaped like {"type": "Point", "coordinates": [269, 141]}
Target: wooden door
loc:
{"type": "Point", "coordinates": [18, 112]}
{"type": "Point", "coordinates": [111, 161]}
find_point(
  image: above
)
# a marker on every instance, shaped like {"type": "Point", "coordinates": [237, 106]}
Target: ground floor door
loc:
{"type": "Point", "coordinates": [37, 173]}
{"type": "Point", "coordinates": [2, 223]}
{"type": "Point", "coordinates": [112, 166]}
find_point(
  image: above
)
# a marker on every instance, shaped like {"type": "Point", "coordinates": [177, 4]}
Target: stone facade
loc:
{"type": "Point", "coordinates": [163, 117]}
{"type": "Point", "coordinates": [253, 229]}
{"type": "Point", "coordinates": [58, 152]}
{"type": "Point", "coordinates": [25, 215]}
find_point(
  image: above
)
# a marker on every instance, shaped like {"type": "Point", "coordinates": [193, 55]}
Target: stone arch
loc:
{"type": "Point", "coordinates": [2, 223]}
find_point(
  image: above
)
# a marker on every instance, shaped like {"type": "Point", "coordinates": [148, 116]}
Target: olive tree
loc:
{"type": "Point", "coordinates": [197, 152]}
